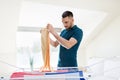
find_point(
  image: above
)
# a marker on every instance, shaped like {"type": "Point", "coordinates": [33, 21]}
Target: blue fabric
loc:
{"type": "Point", "coordinates": [76, 72]}
{"type": "Point", "coordinates": [82, 78]}
{"type": "Point", "coordinates": [67, 57]}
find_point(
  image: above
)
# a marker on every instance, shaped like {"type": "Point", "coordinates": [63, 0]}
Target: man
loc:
{"type": "Point", "coordinates": [69, 40]}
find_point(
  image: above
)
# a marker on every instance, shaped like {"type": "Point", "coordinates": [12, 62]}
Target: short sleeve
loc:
{"type": "Point", "coordinates": [78, 34]}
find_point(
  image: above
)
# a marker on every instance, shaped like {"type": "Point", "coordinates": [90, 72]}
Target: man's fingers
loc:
{"type": "Point", "coordinates": [48, 30]}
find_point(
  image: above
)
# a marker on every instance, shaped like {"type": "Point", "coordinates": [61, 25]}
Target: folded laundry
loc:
{"type": "Point", "coordinates": [58, 75]}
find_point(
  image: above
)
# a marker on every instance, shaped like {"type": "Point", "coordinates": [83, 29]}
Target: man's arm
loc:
{"type": "Point", "coordinates": [66, 43]}
{"type": "Point", "coordinates": [54, 43]}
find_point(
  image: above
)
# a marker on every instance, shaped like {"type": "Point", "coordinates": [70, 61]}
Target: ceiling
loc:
{"type": "Point", "coordinates": [111, 6]}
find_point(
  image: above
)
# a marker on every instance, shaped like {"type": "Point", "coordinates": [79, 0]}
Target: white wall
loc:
{"type": "Point", "coordinates": [81, 56]}
{"type": "Point", "coordinates": [107, 43]}
{"type": "Point", "coordinates": [9, 13]}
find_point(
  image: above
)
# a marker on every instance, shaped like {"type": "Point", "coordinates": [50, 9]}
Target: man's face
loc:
{"type": "Point", "coordinates": [67, 22]}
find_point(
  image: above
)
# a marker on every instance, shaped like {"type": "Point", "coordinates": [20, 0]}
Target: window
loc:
{"type": "Point", "coordinates": [29, 45]}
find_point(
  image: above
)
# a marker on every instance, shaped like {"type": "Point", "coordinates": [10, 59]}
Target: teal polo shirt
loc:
{"type": "Point", "coordinates": [68, 57]}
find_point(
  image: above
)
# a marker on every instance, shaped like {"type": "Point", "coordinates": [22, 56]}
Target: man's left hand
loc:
{"type": "Point", "coordinates": [50, 28]}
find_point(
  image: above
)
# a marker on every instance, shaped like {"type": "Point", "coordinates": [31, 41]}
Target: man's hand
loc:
{"type": "Point", "coordinates": [50, 28]}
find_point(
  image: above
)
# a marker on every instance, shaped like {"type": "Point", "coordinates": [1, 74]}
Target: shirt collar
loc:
{"type": "Point", "coordinates": [74, 26]}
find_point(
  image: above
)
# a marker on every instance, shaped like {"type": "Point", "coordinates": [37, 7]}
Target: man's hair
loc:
{"type": "Point", "coordinates": [67, 14]}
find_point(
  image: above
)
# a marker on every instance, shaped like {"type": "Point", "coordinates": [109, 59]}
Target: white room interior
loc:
{"type": "Point", "coordinates": [101, 38]}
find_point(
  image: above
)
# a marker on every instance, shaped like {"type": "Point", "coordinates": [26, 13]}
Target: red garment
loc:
{"type": "Point", "coordinates": [21, 75]}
